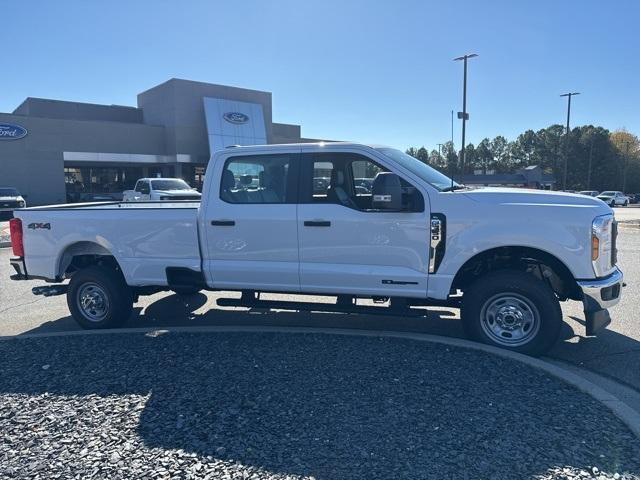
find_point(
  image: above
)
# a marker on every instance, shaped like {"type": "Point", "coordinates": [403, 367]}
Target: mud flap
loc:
{"type": "Point", "coordinates": [596, 320]}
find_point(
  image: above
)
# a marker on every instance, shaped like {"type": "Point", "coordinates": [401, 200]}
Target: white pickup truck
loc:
{"type": "Point", "coordinates": [506, 257]}
{"type": "Point", "coordinates": [153, 189]}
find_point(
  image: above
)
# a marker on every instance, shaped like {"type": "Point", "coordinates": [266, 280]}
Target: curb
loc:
{"type": "Point", "coordinates": [626, 414]}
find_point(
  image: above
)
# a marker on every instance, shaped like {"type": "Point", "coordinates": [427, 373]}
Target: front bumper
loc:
{"type": "Point", "coordinates": [598, 295]}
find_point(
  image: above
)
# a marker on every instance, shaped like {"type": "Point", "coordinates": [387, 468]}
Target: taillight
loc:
{"type": "Point", "coordinates": [15, 230]}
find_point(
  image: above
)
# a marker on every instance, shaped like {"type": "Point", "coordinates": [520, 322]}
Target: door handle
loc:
{"type": "Point", "coordinates": [317, 223]}
{"type": "Point", "coordinates": [223, 223]}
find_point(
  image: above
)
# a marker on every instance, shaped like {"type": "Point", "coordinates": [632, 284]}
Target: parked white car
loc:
{"type": "Point", "coordinates": [589, 193]}
{"type": "Point", "coordinates": [614, 199]}
{"type": "Point", "coordinates": [158, 189]}
{"type": "Point", "coordinates": [10, 199]}
{"type": "Point", "coordinates": [267, 225]}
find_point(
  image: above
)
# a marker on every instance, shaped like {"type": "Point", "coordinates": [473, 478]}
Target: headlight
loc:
{"type": "Point", "coordinates": [602, 244]}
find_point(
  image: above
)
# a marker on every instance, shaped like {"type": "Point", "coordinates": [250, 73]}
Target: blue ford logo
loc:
{"type": "Point", "coordinates": [236, 117]}
{"type": "Point", "coordinates": [11, 132]}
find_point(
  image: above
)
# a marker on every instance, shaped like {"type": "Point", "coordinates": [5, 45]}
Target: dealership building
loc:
{"type": "Point", "coordinates": [54, 151]}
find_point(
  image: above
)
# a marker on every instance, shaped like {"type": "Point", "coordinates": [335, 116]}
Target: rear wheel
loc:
{"type": "Point", "coordinates": [98, 297]}
{"type": "Point", "coordinates": [512, 310]}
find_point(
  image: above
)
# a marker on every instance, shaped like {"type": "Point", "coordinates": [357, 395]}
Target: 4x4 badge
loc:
{"type": "Point", "coordinates": [36, 226]}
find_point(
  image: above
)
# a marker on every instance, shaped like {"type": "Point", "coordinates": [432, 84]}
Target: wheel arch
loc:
{"type": "Point", "coordinates": [82, 254]}
{"type": "Point", "coordinates": [539, 263]}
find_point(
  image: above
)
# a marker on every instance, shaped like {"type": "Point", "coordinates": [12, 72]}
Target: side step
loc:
{"type": "Point", "coordinates": [398, 306]}
{"type": "Point", "coordinates": [50, 290]}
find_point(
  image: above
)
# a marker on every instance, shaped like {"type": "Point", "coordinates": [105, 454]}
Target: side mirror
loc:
{"type": "Point", "coordinates": [386, 192]}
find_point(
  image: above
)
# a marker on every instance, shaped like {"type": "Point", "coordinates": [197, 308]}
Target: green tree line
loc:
{"type": "Point", "coordinates": [597, 158]}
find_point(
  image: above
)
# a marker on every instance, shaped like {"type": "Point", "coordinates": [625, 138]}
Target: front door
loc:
{"type": "Point", "coordinates": [250, 224]}
{"type": "Point", "coordinates": [348, 247]}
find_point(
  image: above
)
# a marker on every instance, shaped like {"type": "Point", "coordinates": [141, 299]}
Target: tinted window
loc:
{"type": "Point", "coordinates": [256, 179]}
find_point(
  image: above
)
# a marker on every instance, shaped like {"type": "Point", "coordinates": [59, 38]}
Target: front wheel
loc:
{"type": "Point", "coordinates": [512, 310]}
{"type": "Point", "coordinates": [98, 298]}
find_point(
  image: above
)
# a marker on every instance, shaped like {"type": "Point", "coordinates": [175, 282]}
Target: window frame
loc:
{"type": "Point", "coordinates": [307, 161]}
{"type": "Point", "coordinates": [293, 177]}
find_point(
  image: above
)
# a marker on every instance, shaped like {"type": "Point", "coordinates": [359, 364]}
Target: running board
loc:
{"type": "Point", "coordinates": [397, 307]}
{"type": "Point", "coordinates": [50, 290]}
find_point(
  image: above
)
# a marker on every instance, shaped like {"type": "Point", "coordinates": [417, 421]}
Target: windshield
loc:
{"type": "Point", "coordinates": [607, 194]}
{"type": "Point", "coordinates": [170, 184]}
{"type": "Point", "coordinates": [422, 170]}
{"type": "Point", "coordinates": [9, 192]}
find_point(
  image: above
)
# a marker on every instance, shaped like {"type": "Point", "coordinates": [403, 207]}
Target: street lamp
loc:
{"type": "Point", "coordinates": [464, 115]}
{"type": "Point", "coordinates": [566, 142]}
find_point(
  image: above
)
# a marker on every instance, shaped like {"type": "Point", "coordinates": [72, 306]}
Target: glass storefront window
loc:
{"type": "Point", "coordinates": [85, 183]}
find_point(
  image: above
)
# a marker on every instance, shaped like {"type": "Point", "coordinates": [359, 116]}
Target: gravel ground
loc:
{"type": "Point", "coordinates": [266, 405]}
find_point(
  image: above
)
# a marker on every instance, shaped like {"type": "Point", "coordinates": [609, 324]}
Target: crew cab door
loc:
{"type": "Point", "coordinates": [346, 245]}
{"type": "Point", "coordinates": [249, 223]}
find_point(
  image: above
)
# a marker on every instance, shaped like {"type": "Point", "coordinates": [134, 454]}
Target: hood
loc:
{"type": "Point", "coordinates": [178, 192]}
{"type": "Point", "coordinates": [605, 196]}
{"type": "Point", "coordinates": [523, 196]}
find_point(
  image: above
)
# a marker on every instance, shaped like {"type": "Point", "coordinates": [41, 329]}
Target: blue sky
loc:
{"type": "Point", "coordinates": [373, 71]}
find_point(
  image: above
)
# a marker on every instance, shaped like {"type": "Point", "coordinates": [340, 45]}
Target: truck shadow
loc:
{"type": "Point", "coordinates": [201, 310]}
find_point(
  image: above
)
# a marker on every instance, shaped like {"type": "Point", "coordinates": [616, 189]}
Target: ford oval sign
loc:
{"type": "Point", "coordinates": [12, 132]}
{"type": "Point", "coordinates": [236, 117]}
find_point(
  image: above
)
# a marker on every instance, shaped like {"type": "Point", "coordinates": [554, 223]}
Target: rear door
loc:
{"type": "Point", "coordinates": [346, 246]}
{"type": "Point", "coordinates": [250, 222]}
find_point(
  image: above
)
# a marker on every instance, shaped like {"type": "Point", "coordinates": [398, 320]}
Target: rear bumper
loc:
{"type": "Point", "coordinates": [598, 295]}
{"type": "Point", "coordinates": [20, 269]}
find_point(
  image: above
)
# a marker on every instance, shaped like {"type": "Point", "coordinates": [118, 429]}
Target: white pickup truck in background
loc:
{"type": "Point", "coordinates": [506, 257]}
{"type": "Point", "coordinates": [159, 189]}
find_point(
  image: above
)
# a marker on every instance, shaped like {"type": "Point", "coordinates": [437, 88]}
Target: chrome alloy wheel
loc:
{"type": "Point", "coordinates": [93, 302]}
{"type": "Point", "coordinates": [509, 319]}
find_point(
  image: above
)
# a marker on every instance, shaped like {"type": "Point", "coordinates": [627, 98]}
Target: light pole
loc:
{"type": "Point", "coordinates": [566, 142]}
{"type": "Point", "coordinates": [464, 115]}
{"type": "Point", "coordinates": [624, 164]}
{"type": "Point", "coordinates": [590, 161]}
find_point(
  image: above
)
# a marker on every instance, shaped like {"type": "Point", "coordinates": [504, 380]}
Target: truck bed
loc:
{"type": "Point", "coordinates": [144, 237]}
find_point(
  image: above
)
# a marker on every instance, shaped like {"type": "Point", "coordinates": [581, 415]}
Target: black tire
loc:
{"type": "Point", "coordinates": [186, 291]}
{"type": "Point", "coordinates": [105, 284]}
{"type": "Point", "coordinates": [532, 302]}
{"type": "Point", "coordinates": [626, 204]}
{"type": "Point", "coordinates": [612, 204]}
